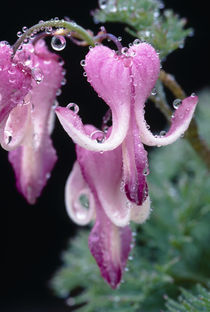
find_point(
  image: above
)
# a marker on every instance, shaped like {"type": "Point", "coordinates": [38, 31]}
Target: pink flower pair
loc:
{"type": "Point", "coordinates": [108, 181]}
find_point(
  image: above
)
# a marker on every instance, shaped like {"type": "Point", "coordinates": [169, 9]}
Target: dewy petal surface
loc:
{"type": "Point", "coordinates": [34, 159]}
{"type": "Point", "coordinates": [110, 78]}
{"type": "Point", "coordinates": [76, 187]}
{"type": "Point", "coordinates": [110, 245]}
{"type": "Point", "coordinates": [103, 173]}
{"type": "Point", "coordinates": [15, 83]}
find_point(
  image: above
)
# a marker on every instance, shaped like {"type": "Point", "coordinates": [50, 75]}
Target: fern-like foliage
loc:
{"type": "Point", "coordinates": [188, 302]}
{"type": "Point", "coordinates": [146, 20]}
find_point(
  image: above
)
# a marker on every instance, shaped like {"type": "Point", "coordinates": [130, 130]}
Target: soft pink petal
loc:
{"type": "Point", "coordinates": [135, 165]}
{"type": "Point", "coordinates": [35, 158]}
{"type": "Point", "coordinates": [103, 174]}
{"type": "Point", "coordinates": [75, 188]}
{"type": "Point", "coordinates": [110, 245]}
{"type": "Point", "coordinates": [145, 70]}
{"type": "Point", "coordinates": [15, 127]}
{"type": "Point", "coordinates": [15, 83]}
{"type": "Point", "coordinates": [110, 78]}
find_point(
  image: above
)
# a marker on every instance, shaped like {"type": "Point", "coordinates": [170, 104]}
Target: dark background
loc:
{"type": "Point", "coordinates": [33, 236]}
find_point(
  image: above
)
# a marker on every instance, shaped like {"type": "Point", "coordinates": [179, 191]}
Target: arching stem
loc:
{"type": "Point", "coordinates": [70, 26]}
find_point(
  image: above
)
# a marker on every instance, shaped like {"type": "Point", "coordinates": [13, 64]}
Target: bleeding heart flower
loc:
{"type": "Point", "coordinates": [94, 192]}
{"type": "Point", "coordinates": [29, 82]}
{"type": "Point", "coordinates": [124, 82]}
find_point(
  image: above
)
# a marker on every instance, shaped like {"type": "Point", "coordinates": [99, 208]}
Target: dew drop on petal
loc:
{"type": "Point", "coordinates": [98, 135]}
{"type": "Point", "coordinates": [82, 63]}
{"type": "Point", "coordinates": [37, 75]}
{"type": "Point", "coordinates": [162, 133]}
{"type": "Point", "coordinates": [58, 43]}
{"type": "Point", "coordinates": [177, 103]}
{"type": "Point", "coordinates": [73, 107]}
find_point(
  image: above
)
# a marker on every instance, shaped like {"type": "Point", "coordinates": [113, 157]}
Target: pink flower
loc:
{"type": "Point", "coordinates": [29, 83]}
{"type": "Point", "coordinates": [98, 177]}
{"type": "Point", "coordinates": [111, 168]}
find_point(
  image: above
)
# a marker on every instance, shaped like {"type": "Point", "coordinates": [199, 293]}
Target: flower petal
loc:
{"type": "Point", "coordinates": [139, 214]}
{"type": "Point", "coordinates": [135, 165]}
{"type": "Point", "coordinates": [32, 167]}
{"type": "Point", "coordinates": [110, 245]}
{"type": "Point", "coordinates": [145, 70]}
{"type": "Point", "coordinates": [77, 189]}
{"type": "Point", "coordinates": [35, 158]}
{"type": "Point", "coordinates": [103, 174]}
{"type": "Point", "coordinates": [15, 84]}
{"type": "Point", "coordinates": [110, 78]}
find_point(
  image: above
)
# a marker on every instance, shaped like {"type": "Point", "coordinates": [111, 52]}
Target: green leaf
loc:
{"type": "Point", "coordinates": [145, 20]}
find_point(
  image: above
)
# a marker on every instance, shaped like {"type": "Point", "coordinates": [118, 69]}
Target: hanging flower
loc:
{"type": "Point", "coordinates": [29, 82]}
{"type": "Point", "coordinates": [94, 192]}
{"type": "Point", "coordinates": [125, 82]}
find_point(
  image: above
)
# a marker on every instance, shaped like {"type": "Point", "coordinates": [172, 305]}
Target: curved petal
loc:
{"type": "Point", "coordinates": [103, 174]}
{"type": "Point", "coordinates": [75, 189]}
{"type": "Point", "coordinates": [180, 122]}
{"type": "Point", "coordinates": [135, 165]}
{"type": "Point", "coordinates": [110, 246]}
{"type": "Point", "coordinates": [110, 78]}
{"type": "Point", "coordinates": [145, 70]}
{"type": "Point", "coordinates": [139, 214]}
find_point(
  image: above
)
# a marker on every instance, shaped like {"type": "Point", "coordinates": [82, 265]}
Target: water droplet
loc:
{"type": "Point", "coordinates": [119, 38]}
{"type": "Point", "coordinates": [73, 107]}
{"type": "Point", "coordinates": [126, 269]}
{"type": "Point", "coordinates": [137, 41]}
{"type": "Point", "coordinates": [37, 75]}
{"type": "Point", "coordinates": [58, 43]}
{"type": "Point", "coordinates": [130, 258]}
{"type": "Point", "coordinates": [193, 94]}
{"type": "Point", "coordinates": [177, 103]}
{"type": "Point", "coordinates": [63, 82]}
{"type": "Point", "coordinates": [102, 4]}
{"type": "Point", "coordinates": [98, 135]}
{"type": "Point", "coordinates": [154, 91]}
{"type": "Point", "coordinates": [162, 133]}
{"type": "Point", "coordinates": [25, 28]}
{"type": "Point", "coordinates": [58, 92]}
{"type": "Point", "coordinates": [146, 171]}
{"type": "Point", "coordinates": [124, 51]}
{"type": "Point", "coordinates": [19, 34]}
{"type": "Point", "coordinates": [85, 74]}
{"type": "Point", "coordinates": [82, 63]}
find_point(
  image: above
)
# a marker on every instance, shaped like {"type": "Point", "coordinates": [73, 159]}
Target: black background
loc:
{"type": "Point", "coordinates": [33, 236]}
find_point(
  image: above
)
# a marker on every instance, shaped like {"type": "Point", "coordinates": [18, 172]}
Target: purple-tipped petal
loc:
{"type": "Point", "coordinates": [35, 158]}
{"type": "Point", "coordinates": [135, 166]}
{"type": "Point", "coordinates": [32, 167]}
{"type": "Point", "coordinates": [110, 246]}
{"type": "Point", "coordinates": [76, 187]}
{"type": "Point", "coordinates": [103, 174]}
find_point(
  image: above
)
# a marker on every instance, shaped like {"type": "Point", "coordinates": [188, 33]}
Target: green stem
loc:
{"type": "Point", "coordinates": [192, 134]}
{"type": "Point", "coordinates": [71, 26]}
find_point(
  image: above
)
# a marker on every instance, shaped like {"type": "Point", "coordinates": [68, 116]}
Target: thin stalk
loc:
{"type": "Point", "coordinates": [70, 26]}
